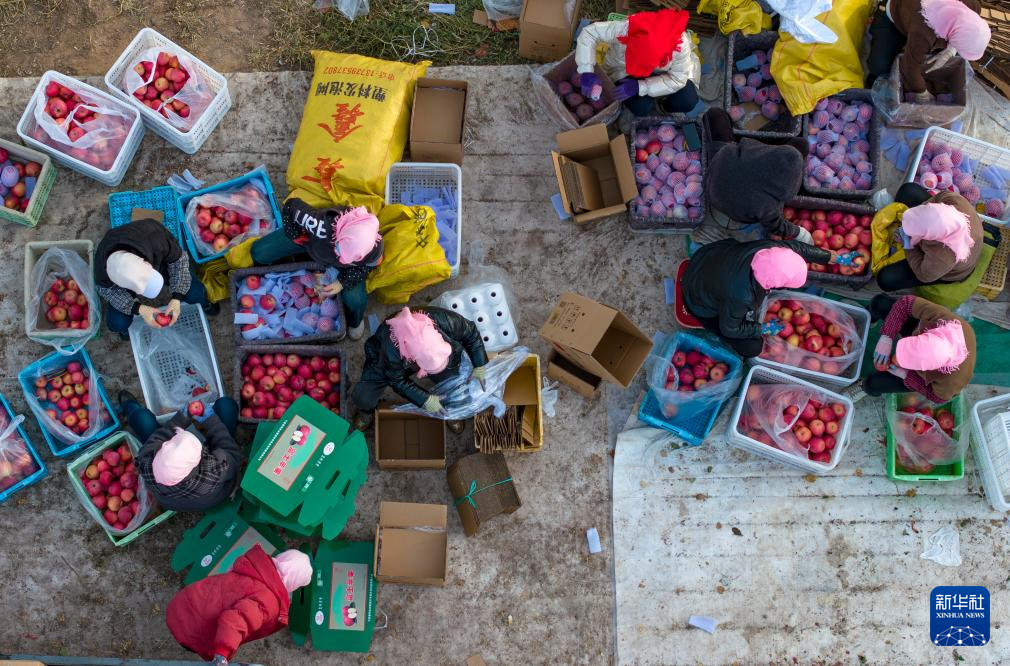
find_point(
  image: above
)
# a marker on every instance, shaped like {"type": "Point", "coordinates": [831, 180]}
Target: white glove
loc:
{"type": "Point", "coordinates": [937, 61]}
{"type": "Point", "coordinates": [804, 236]}
{"type": "Point", "coordinates": [480, 374]}
{"type": "Point", "coordinates": [332, 289]}
{"type": "Point", "coordinates": [923, 97]}
{"type": "Point", "coordinates": [434, 406]}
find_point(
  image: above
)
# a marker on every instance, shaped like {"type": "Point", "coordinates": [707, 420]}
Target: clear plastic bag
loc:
{"type": "Point", "coordinates": [462, 396]}
{"type": "Point", "coordinates": [775, 409]}
{"type": "Point", "coordinates": [924, 436]}
{"type": "Point", "coordinates": [16, 462]}
{"type": "Point", "coordinates": [498, 10]}
{"type": "Point", "coordinates": [249, 199]}
{"type": "Point", "coordinates": [143, 495]}
{"type": "Point", "coordinates": [666, 374]}
{"type": "Point", "coordinates": [196, 91]}
{"type": "Point", "coordinates": [58, 263]}
{"type": "Point", "coordinates": [888, 96]}
{"type": "Point", "coordinates": [46, 411]}
{"type": "Point", "coordinates": [544, 88]}
{"type": "Point", "coordinates": [845, 337]}
{"type": "Point", "coordinates": [352, 9]}
{"type": "Point", "coordinates": [179, 367]}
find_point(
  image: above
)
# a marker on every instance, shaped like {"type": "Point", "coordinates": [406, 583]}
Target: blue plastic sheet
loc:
{"type": "Point", "coordinates": [442, 200]}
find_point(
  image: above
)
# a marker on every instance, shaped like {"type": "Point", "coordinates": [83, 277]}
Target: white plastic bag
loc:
{"type": "Point", "coordinates": [180, 368]}
{"type": "Point", "coordinates": [58, 366]}
{"type": "Point", "coordinates": [16, 462]}
{"type": "Point", "coordinates": [249, 200]}
{"type": "Point", "coordinates": [502, 9]}
{"type": "Point", "coordinates": [57, 263]}
{"type": "Point", "coordinates": [462, 396]}
{"type": "Point", "coordinates": [798, 19]}
{"type": "Point", "coordinates": [144, 497]}
{"type": "Point", "coordinates": [196, 92]}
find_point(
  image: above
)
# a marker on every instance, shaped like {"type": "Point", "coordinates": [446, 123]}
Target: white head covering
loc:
{"type": "Point", "coordinates": [176, 458]}
{"type": "Point", "coordinates": [131, 272]}
{"type": "Point", "coordinates": [295, 569]}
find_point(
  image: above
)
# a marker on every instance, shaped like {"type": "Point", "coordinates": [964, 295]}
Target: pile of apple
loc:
{"type": "Point", "coordinates": [922, 435]}
{"type": "Point", "coordinates": [66, 305]}
{"type": "Point", "coordinates": [167, 79]}
{"type": "Point", "coordinates": [72, 113]}
{"type": "Point", "coordinates": [218, 226]}
{"type": "Point", "coordinates": [66, 395]}
{"type": "Point", "coordinates": [16, 463]}
{"type": "Point", "coordinates": [809, 332]}
{"type": "Point", "coordinates": [271, 382]}
{"type": "Point", "coordinates": [688, 371]}
{"type": "Point", "coordinates": [814, 430]}
{"type": "Point", "coordinates": [17, 181]}
{"type": "Point", "coordinates": [570, 93]}
{"type": "Point", "coordinates": [838, 231]}
{"type": "Point", "coordinates": [316, 312]}
{"type": "Point", "coordinates": [113, 484]}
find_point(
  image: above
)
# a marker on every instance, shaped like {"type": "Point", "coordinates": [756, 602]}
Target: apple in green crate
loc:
{"type": "Point", "coordinates": [114, 491]}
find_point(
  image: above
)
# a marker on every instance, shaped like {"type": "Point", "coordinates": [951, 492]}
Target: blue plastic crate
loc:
{"type": "Point", "coordinates": [164, 198]}
{"type": "Point", "coordinates": [35, 477]}
{"type": "Point", "coordinates": [259, 173]}
{"type": "Point", "coordinates": [692, 423]}
{"type": "Point", "coordinates": [27, 378]}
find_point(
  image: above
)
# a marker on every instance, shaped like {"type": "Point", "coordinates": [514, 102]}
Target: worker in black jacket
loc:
{"type": "Point", "coordinates": [426, 342]}
{"type": "Point", "coordinates": [140, 269]}
{"type": "Point", "coordinates": [726, 282]}
{"type": "Point", "coordinates": [749, 182]}
{"type": "Point", "coordinates": [346, 239]}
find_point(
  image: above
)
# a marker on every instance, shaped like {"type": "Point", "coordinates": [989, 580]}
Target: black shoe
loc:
{"type": "Point", "coordinates": [456, 427]}
{"type": "Point", "coordinates": [363, 421]}
{"type": "Point", "coordinates": [212, 309]}
{"type": "Point", "coordinates": [124, 336]}
{"type": "Point", "coordinates": [121, 400]}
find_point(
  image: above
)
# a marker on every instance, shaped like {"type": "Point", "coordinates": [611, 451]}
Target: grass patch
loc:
{"type": "Point", "coordinates": [394, 30]}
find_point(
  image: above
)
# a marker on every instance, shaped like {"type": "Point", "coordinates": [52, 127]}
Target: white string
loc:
{"type": "Point", "coordinates": [409, 48]}
{"type": "Point", "coordinates": [385, 622]}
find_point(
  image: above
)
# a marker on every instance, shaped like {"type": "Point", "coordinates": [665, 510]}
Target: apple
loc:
{"type": "Point", "coordinates": [195, 409]}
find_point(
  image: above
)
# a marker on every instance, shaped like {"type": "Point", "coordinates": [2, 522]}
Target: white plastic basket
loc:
{"type": "Point", "coordinates": [114, 175]}
{"type": "Point", "coordinates": [990, 422]}
{"type": "Point", "coordinates": [982, 154]}
{"type": "Point", "coordinates": [486, 306]}
{"type": "Point", "coordinates": [170, 366]}
{"type": "Point", "coordinates": [861, 316]}
{"type": "Point", "coordinates": [734, 437]}
{"type": "Point", "coordinates": [404, 175]}
{"type": "Point", "coordinates": [187, 142]}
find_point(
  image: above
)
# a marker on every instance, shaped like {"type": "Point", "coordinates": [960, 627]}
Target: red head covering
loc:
{"type": "Point", "coordinates": [652, 37]}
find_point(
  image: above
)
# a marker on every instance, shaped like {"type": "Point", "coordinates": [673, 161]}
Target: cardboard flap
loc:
{"type": "Point", "coordinates": [440, 106]}
{"type": "Point", "coordinates": [405, 514]}
{"type": "Point", "coordinates": [548, 13]}
{"type": "Point", "coordinates": [623, 168]}
{"type": "Point", "coordinates": [583, 138]}
{"type": "Point", "coordinates": [578, 322]}
{"type": "Point", "coordinates": [565, 203]}
{"type": "Point", "coordinates": [523, 386]}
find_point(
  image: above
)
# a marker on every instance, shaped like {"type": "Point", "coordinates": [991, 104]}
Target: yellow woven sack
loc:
{"type": "Point", "coordinates": [883, 249]}
{"type": "Point", "coordinates": [214, 274]}
{"type": "Point", "coordinates": [743, 15]}
{"type": "Point", "coordinates": [807, 73]}
{"type": "Point", "coordinates": [354, 127]}
{"type": "Point", "coordinates": [413, 258]}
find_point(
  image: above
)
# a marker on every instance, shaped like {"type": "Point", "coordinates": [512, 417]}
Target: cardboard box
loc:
{"type": "Point", "coordinates": [408, 441]}
{"type": "Point", "coordinates": [522, 391]}
{"type": "Point", "coordinates": [482, 488]}
{"type": "Point", "coordinates": [597, 338]}
{"type": "Point", "coordinates": [147, 214]}
{"type": "Point", "coordinates": [411, 544]}
{"type": "Point", "coordinates": [545, 33]}
{"type": "Point", "coordinates": [437, 119]}
{"type": "Point", "coordinates": [613, 181]}
{"type": "Point", "coordinates": [561, 369]}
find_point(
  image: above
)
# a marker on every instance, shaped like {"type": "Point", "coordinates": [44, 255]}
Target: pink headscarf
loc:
{"type": "Point", "coordinates": [295, 569]}
{"type": "Point", "coordinates": [415, 335]}
{"type": "Point", "coordinates": [941, 348]}
{"type": "Point", "coordinates": [963, 29]}
{"type": "Point", "coordinates": [176, 458]}
{"type": "Point", "coordinates": [942, 223]}
{"type": "Point", "coordinates": [778, 267]}
{"type": "Point", "coordinates": [355, 234]}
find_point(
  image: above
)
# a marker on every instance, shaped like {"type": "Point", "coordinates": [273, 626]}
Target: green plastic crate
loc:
{"type": "Point", "coordinates": [158, 515]}
{"type": "Point", "coordinates": [951, 472]}
{"type": "Point", "coordinates": [43, 186]}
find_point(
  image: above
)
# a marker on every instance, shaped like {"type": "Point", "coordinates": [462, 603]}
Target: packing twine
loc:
{"type": "Point", "coordinates": [409, 48]}
{"type": "Point", "coordinates": [474, 490]}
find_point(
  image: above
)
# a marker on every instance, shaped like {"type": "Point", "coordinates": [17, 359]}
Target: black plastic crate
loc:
{"type": "Point", "coordinates": [740, 46]}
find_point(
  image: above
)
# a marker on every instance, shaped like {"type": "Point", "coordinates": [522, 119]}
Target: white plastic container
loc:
{"type": "Point", "coordinates": [405, 175]}
{"type": "Point", "coordinates": [990, 424]}
{"type": "Point", "coordinates": [759, 375]}
{"type": "Point", "coordinates": [861, 317]}
{"type": "Point", "coordinates": [169, 365]}
{"type": "Point", "coordinates": [486, 306]}
{"type": "Point", "coordinates": [187, 142]}
{"type": "Point", "coordinates": [114, 175]}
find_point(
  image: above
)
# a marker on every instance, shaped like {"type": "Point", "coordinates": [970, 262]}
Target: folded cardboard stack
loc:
{"type": "Point", "coordinates": [521, 427]}
{"type": "Point", "coordinates": [482, 488]}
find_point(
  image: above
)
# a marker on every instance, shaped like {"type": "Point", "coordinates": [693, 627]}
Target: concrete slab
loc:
{"type": "Point", "coordinates": [68, 591]}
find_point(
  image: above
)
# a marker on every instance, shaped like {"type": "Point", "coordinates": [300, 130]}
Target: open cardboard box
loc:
{"type": "Point", "coordinates": [545, 33]}
{"type": "Point", "coordinates": [561, 369]}
{"type": "Point", "coordinates": [522, 390]}
{"type": "Point", "coordinates": [411, 544]}
{"type": "Point", "coordinates": [602, 172]}
{"type": "Point", "coordinates": [597, 338]}
{"type": "Point", "coordinates": [436, 122]}
{"type": "Point", "coordinates": [408, 441]}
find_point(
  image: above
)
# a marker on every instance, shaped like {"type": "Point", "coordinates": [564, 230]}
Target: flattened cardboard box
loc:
{"type": "Point", "coordinates": [561, 369]}
{"type": "Point", "coordinates": [406, 441]}
{"type": "Point", "coordinates": [411, 544]}
{"type": "Point", "coordinates": [545, 33]}
{"type": "Point", "coordinates": [612, 180]}
{"type": "Point", "coordinates": [437, 119]}
{"type": "Point", "coordinates": [522, 391]}
{"type": "Point", "coordinates": [597, 338]}
{"type": "Point", "coordinates": [482, 488]}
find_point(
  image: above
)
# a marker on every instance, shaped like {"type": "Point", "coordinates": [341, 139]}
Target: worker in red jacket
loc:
{"type": "Point", "coordinates": [216, 615]}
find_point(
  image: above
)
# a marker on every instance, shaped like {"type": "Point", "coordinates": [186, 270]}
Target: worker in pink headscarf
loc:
{"type": "Point", "coordinates": [344, 238]}
{"type": "Point", "coordinates": [928, 34]}
{"type": "Point", "coordinates": [424, 342]}
{"type": "Point", "coordinates": [934, 354]}
{"type": "Point", "coordinates": [726, 282]}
